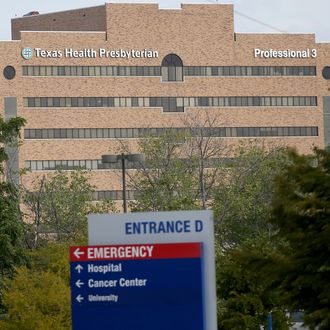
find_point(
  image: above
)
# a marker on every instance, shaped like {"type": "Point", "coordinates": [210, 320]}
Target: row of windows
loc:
{"type": "Point", "coordinates": [96, 164]}
{"type": "Point", "coordinates": [150, 71]}
{"type": "Point", "coordinates": [89, 164]}
{"type": "Point", "coordinates": [250, 71]}
{"type": "Point", "coordinates": [90, 133]}
{"type": "Point", "coordinates": [92, 71]}
{"type": "Point", "coordinates": [171, 104]}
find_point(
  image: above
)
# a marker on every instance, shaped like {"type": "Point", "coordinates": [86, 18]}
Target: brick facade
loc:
{"type": "Point", "coordinates": [85, 19]}
{"type": "Point", "coordinates": [201, 35]}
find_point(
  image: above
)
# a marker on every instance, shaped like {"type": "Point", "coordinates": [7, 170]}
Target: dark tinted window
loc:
{"type": "Point", "coordinates": [9, 72]}
{"type": "Point", "coordinates": [326, 72]}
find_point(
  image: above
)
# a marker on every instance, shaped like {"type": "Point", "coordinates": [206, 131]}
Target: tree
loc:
{"type": "Point", "coordinates": [10, 225]}
{"type": "Point", "coordinates": [58, 205]}
{"type": "Point", "coordinates": [165, 182]}
{"type": "Point", "coordinates": [181, 168]}
{"type": "Point", "coordinates": [38, 297]}
{"type": "Point", "coordinates": [247, 290]}
{"type": "Point", "coordinates": [301, 210]}
{"type": "Point", "coordinates": [206, 152]}
{"type": "Point", "coordinates": [242, 201]}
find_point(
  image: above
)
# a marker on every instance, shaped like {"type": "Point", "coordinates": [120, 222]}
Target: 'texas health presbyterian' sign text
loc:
{"type": "Point", "coordinates": [91, 53]}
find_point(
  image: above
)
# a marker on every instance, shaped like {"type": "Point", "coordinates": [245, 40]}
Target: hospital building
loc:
{"type": "Point", "coordinates": [89, 78]}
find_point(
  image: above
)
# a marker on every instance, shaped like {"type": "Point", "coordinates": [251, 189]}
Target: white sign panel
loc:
{"type": "Point", "coordinates": [163, 227]}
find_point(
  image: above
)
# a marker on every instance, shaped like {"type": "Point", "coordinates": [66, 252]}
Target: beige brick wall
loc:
{"type": "Point", "coordinates": [86, 19]}
{"type": "Point", "coordinates": [199, 34]}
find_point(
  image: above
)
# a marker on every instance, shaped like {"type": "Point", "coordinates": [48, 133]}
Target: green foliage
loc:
{"type": "Point", "coordinates": [242, 192]}
{"type": "Point", "coordinates": [105, 206]}
{"type": "Point", "coordinates": [248, 291]}
{"type": "Point", "coordinates": [301, 210]}
{"type": "Point", "coordinates": [10, 225]}
{"type": "Point", "coordinates": [9, 131]}
{"type": "Point", "coordinates": [180, 171]}
{"type": "Point", "coordinates": [52, 258]}
{"type": "Point", "coordinates": [167, 183]}
{"type": "Point", "coordinates": [10, 230]}
{"type": "Point", "coordinates": [65, 203]}
{"type": "Point", "coordinates": [59, 205]}
{"type": "Point", "coordinates": [242, 200]}
{"type": "Point", "coordinates": [38, 297]}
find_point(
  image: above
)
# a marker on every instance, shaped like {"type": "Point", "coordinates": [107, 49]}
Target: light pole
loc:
{"type": "Point", "coordinates": [112, 159]}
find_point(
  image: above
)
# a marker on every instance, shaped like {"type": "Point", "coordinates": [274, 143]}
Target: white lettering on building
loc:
{"type": "Point", "coordinates": [48, 53]}
{"type": "Point", "coordinates": [96, 53]}
{"type": "Point", "coordinates": [285, 53]}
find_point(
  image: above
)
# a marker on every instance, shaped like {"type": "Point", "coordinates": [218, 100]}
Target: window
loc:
{"type": "Point", "coordinates": [170, 104]}
{"type": "Point", "coordinates": [89, 133]}
{"type": "Point", "coordinates": [67, 71]}
{"type": "Point", "coordinates": [61, 70]}
{"type": "Point", "coordinates": [85, 71]}
{"type": "Point", "coordinates": [73, 70]}
{"type": "Point", "coordinates": [75, 133]}
{"type": "Point", "coordinates": [97, 71]}
{"type": "Point", "coordinates": [62, 101]}
{"type": "Point", "coordinates": [79, 71]}
{"type": "Point", "coordinates": [172, 68]}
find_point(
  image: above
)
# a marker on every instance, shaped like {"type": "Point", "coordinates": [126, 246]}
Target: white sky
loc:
{"type": "Point", "coordinates": [301, 16]}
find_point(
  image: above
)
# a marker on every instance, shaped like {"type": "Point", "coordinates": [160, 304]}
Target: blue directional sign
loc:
{"type": "Point", "coordinates": [137, 287]}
